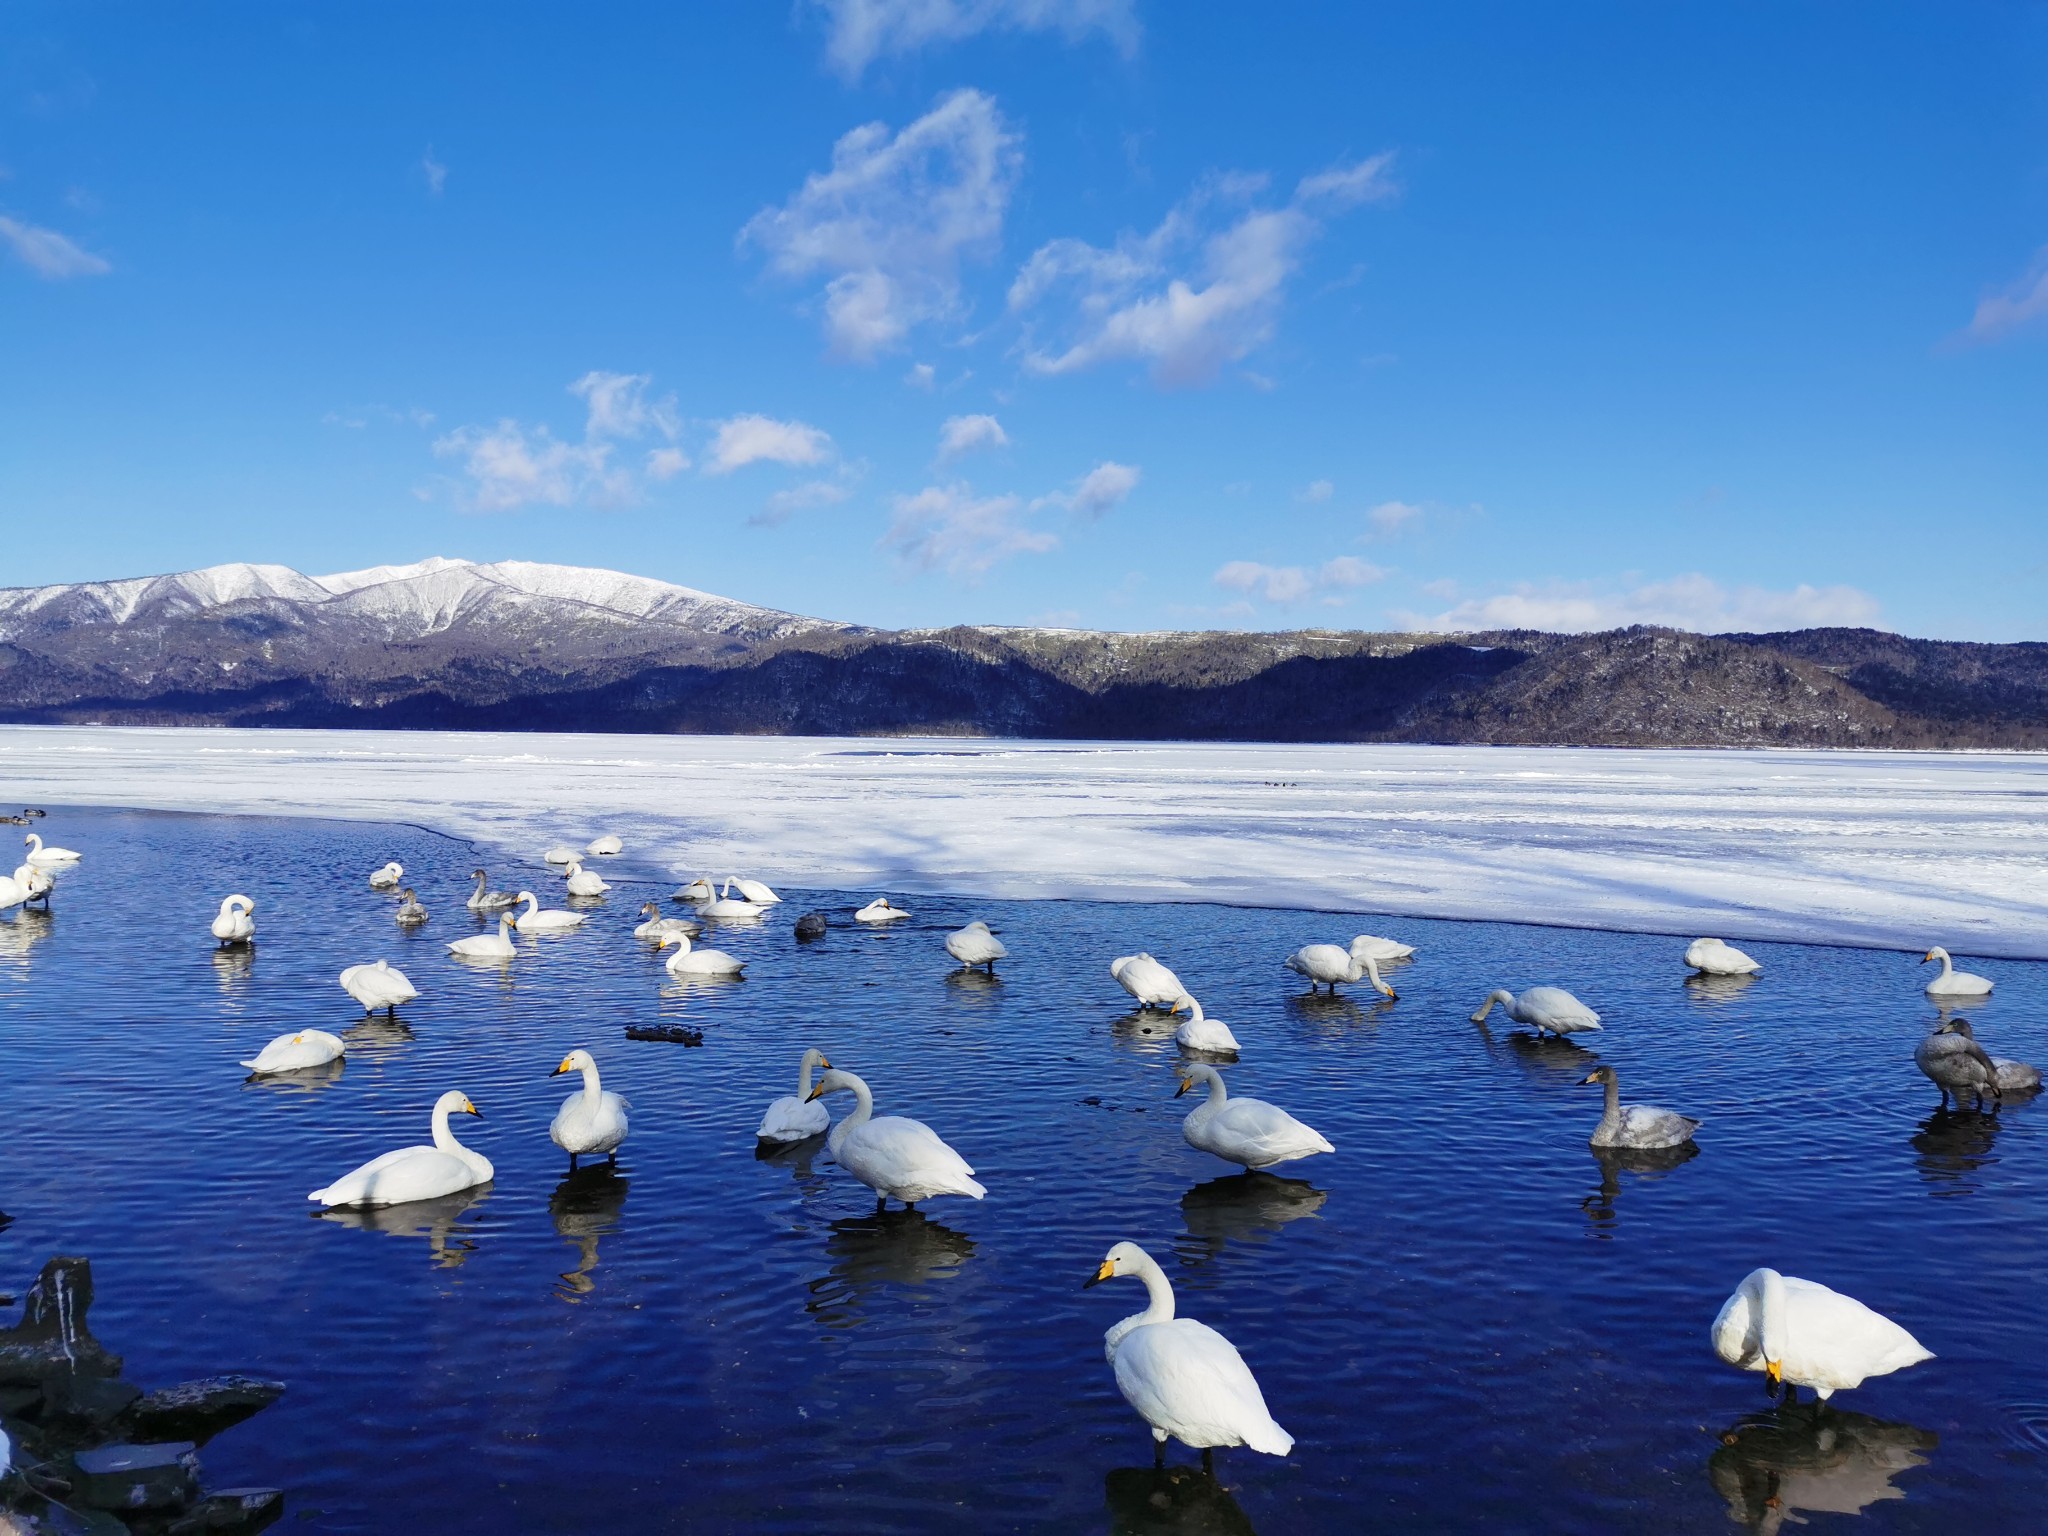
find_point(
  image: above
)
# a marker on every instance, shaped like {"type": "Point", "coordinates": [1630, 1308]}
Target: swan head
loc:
{"type": "Point", "coordinates": [1936, 953]}
{"type": "Point", "coordinates": [1199, 1072]}
{"type": "Point", "coordinates": [1123, 1259]}
{"type": "Point", "coordinates": [1601, 1074]}
{"type": "Point", "coordinates": [575, 1061]}
{"type": "Point", "coordinates": [1187, 1002]}
{"type": "Point", "coordinates": [676, 937]}
{"type": "Point", "coordinates": [1956, 1027]}
{"type": "Point", "coordinates": [456, 1102]}
{"type": "Point", "coordinates": [650, 910]}
{"type": "Point", "coordinates": [833, 1082]}
{"type": "Point", "coordinates": [527, 896]}
{"type": "Point", "coordinates": [814, 1057]}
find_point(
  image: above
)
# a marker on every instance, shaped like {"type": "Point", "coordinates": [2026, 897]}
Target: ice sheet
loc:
{"type": "Point", "coordinates": [1892, 849]}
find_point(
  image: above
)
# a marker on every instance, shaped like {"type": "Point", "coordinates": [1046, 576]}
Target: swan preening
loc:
{"type": "Point", "coordinates": [1552, 1010]}
{"type": "Point", "coordinates": [1805, 1335]}
{"type": "Point", "coordinates": [1711, 957]}
{"type": "Point", "coordinates": [234, 925]}
{"type": "Point", "coordinates": [1636, 1125]}
{"type": "Point", "coordinates": [488, 946]}
{"type": "Point", "coordinates": [552, 920]}
{"type": "Point", "coordinates": [1952, 982]}
{"type": "Point", "coordinates": [975, 945]}
{"type": "Point", "coordinates": [584, 882]}
{"type": "Point", "coordinates": [410, 913]}
{"type": "Point", "coordinates": [483, 899]}
{"type": "Point", "coordinates": [387, 878]}
{"type": "Point", "coordinates": [296, 1052]}
{"type": "Point", "coordinates": [45, 858]}
{"type": "Point", "coordinates": [1152, 984]}
{"type": "Point", "coordinates": [687, 961]}
{"type": "Point", "coordinates": [1327, 963]}
{"type": "Point", "coordinates": [415, 1173]}
{"type": "Point", "coordinates": [1183, 1377]}
{"type": "Point", "coordinates": [1246, 1131]}
{"type": "Point", "coordinates": [378, 986]}
{"type": "Point", "coordinates": [895, 1157]}
{"type": "Point", "coordinates": [657, 927]}
{"type": "Point", "coordinates": [1957, 1064]}
{"type": "Point", "coordinates": [1202, 1033]}
{"type": "Point", "coordinates": [879, 911]}
{"type": "Point", "coordinates": [591, 1121]}
{"type": "Point", "coordinates": [797, 1117]}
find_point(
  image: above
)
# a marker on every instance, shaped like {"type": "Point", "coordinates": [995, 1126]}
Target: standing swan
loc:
{"type": "Point", "coordinates": [483, 899]}
{"type": "Point", "coordinates": [1328, 963]}
{"type": "Point", "coordinates": [378, 986]}
{"type": "Point", "coordinates": [1802, 1333]}
{"type": "Point", "coordinates": [1957, 1064]}
{"type": "Point", "coordinates": [698, 962]}
{"type": "Point", "coordinates": [488, 946]}
{"type": "Point", "coordinates": [1202, 1033]}
{"type": "Point", "coordinates": [1152, 984]}
{"type": "Point", "coordinates": [1184, 1378]}
{"type": "Point", "coordinates": [553, 920]}
{"type": "Point", "coordinates": [797, 1119]}
{"type": "Point", "coordinates": [590, 1121]}
{"type": "Point", "coordinates": [296, 1052]}
{"type": "Point", "coordinates": [893, 1156]}
{"type": "Point", "coordinates": [25, 885]}
{"type": "Point", "coordinates": [1711, 957]}
{"type": "Point", "coordinates": [1636, 1125]}
{"type": "Point", "coordinates": [234, 925]}
{"type": "Point", "coordinates": [1952, 982]}
{"type": "Point", "coordinates": [975, 945]}
{"type": "Point", "coordinates": [1246, 1131]}
{"type": "Point", "coordinates": [387, 878]}
{"type": "Point", "coordinates": [45, 858]}
{"type": "Point", "coordinates": [584, 882]}
{"type": "Point", "coordinates": [416, 1173]}
{"type": "Point", "coordinates": [1552, 1010]}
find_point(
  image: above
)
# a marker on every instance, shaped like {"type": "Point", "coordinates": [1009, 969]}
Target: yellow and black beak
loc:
{"type": "Point", "coordinates": [1590, 1077]}
{"type": "Point", "coordinates": [1774, 1371]}
{"type": "Point", "coordinates": [471, 1109]}
{"type": "Point", "coordinates": [1185, 1084]}
{"type": "Point", "coordinates": [1105, 1271]}
{"type": "Point", "coordinates": [816, 1093]}
{"type": "Point", "coordinates": [564, 1067]}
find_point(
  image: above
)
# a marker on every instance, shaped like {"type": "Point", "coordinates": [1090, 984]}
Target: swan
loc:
{"type": "Point", "coordinates": [559, 855]}
{"type": "Point", "coordinates": [699, 962]}
{"type": "Point", "coordinates": [1552, 1010]}
{"type": "Point", "coordinates": [387, 878]}
{"type": "Point", "coordinates": [728, 906]}
{"type": "Point", "coordinates": [1151, 983]}
{"type": "Point", "coordinates": [1184, 1378]}
{"type": "Point", "coordinates": [1711, 957]}
{"type": "Point", "coordinates": [698, 889]}
{"type": "Point", "coordinates": [23, 886]}
{"type": "Point", "coordinates": [1380, 949]}
{"type": "Point", "coordinates": [892, 1155]}
{"type": "Point", "coordinates": [410, 913]}
{"type": "Point", "coordinates": [1328, 963]}
{"type": "Point", "coordinates": [44, 858]}
{"type": "Point", "coordinates": [590, 1120]}
{"type": "Point", "coordinates": [605, 847]}
{"type": "Point", "coordinates": [234, 925]}
{"type": "Point", "coordinates": [1247, 1131]}
{"type": "Point", "coordinates": [584, 882]}
{"type": "Point", "coordinates": [1952, 982]}
{"type": "Point", "coordinates": [416, 1173]}
{"type": "Point", "coordinates": [1636, 1125]}
{"type": "Point", "coordinates": [1202, 1033]}
{"type": "Point", "coordinates": [488, 946]}
{"type": "Point", "coordinates": [483, 899]}
{"type": "Point", "coordinates": [1957, 1064]}
{"type": "Point", "coordinates": [754, 891]}
{"type": "Point", "coordinates": [975, 945]}
{"type": "Point", "coordinates": [658, 927]}
{"type": "Point", "coordinates": [553, 920]}
{"type": "Point", "coordinates": [1806, 1335]}
{"type": "Point", "coordinates": [797, 1118]}
{"type": "Point", "coordinates": [296, 1052]}
{"type": "Point", "coordinates": [879, 911]}
{"type": "Point", "coordinates": [378, 986]}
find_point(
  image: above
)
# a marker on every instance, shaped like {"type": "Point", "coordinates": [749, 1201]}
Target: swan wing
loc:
{"type": "Point", "coordinates": [1187, 1379]}
{"type": "Point", "coordinates": [897, 1154]}
{"type": "Point", "coordinates": [1642, 1125]}
{"type": "Point", "coordinates": [580, 1128]}
{"type": "Point", "coordinates": [1834, 1341]}
{"type": "Point", "coordinates": [789, 1118]}
{"type": "Point", "coordinates": [411, 1173]}
{"type": "Point", "coordinates": [1258, 1133]}
{"type": "Point", "coordinates": [1323, 962]}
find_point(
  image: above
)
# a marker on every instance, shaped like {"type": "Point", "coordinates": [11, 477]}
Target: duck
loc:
{"type": "Point", "coordinates": [797, 1118]}
{"type": "Point", "coordinates": [1185, 1379]}
{"type": "Point", "coordinates": [415, 1173]}
{"type": "Point", "coordinates": [879, 911]}
{"type": "Point", "coordinates": [1249, 1132]}
{"type": "Point", "coordinates": [1803, 1334]}
{"type": "Point", "coordinates": [1202, 1033]}
{"type": "Point", "coordinates": [975, 945]}
{"type": "Point", "coordinates": [1329, 964]}
{"type": "Point", "coordinates": [410, 913]}
{"type": "Point", "coordinates": [698, 962]}
{"type": "Point", "coordinates": [726, 907]}
{"type": "Point", "coordinates": [483, 899]}
{"type": "Point", "coordinates": [754, 891]}
{"type": "Point", "coordinates": [234, 924]}
{"type": "Point", "coordinates": [1712, 957]}
{"type": "Point", "coordinates": [1552, 1010]}
{"type": "Point", "coordinates": [657, 927]}
{"type": "Point", "coordinates": [1152, 984]}
{"type": "Point", "coordinates": [387, 878]}
{"type": "Point", "coordinates": [488, 946]}
{"type": "Point", "coordinates": [584, 882]}
{"type": "Point", "coordinates": [45, 858]}
{"type": "Point", "coordinates": [559, 854]}
{"type": "Point", "coordinates": [606, 847]}
{"type": "Point", "coordinates": [1957, 1064]}
{"type": "Point", "coordinates": [553, 920]}
{"type": "Point", "coordinates": [895, 1157]}
{"type": "Point", "coordinates": [1952, 982]}
{"type": "Point", "coordinates": [380, 985]}
{"type": "Point", "coordinates": [591, 1121]}
{"type": "Point", "coordinates": [296, 1052]}
{"type": "Point", "coordinates": [1636, 1125]}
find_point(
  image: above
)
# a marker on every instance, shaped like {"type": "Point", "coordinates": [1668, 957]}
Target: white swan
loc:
{"type": "Point", "coordinates": [1247, 1131]}
{"type": "Point", "coordinates": [699, 889]}
{"type": "Point", "coordinates": [488, 946]}
{"type": "Point", "coordinates": [296, 1052]}
{"type": "Point", "coordinates": [234, 925]}
{"type": "Point", "coordinates": [1381, 949]}
{"type": "Point", "coordinates": [657, 927]}
{"type": "Point", "coordinates": [483, 899]}
{"type": "Point", "coordinates": [759, 894]}
{"type": "Point", "coordinates": [1636, 1125]}
{"type": "Point", "coordinates": [378, 986]}
{"type": "Point", "coordinates": [26, 884]}
{"type": "Point", "coordinates": [1183, 1377]}
{"type": "Point", "coordinates": [584, 882]}
{"type": "Point", "coordinates": [410, 913]}
{"type": "Point", "coordinates": [553, 920]}
{"type": "Point", "coordinates": [1329, 964]}
{"type": "Point", "coordinates": [797, 1118]}
{"type": "Point", "coordinates": [559, 855]}
{"type": "Point", "coordinates": [1552, 1010]}
{"type": "Point", "coordinates": [1952, 982]}
{"type": "Point", "coordinates": [387, 878]}
{"type": "Point", "coordinates": [416, 1173]}
{"type": "Point", "coordinates": [591, 1121]}
{"type": "Point", "coordinates": [975, 945]}
{"type": "Point", "coordinates": [698, 962]}
{"type": "Point", "coordinates": [605, 847]}
{"type": "Point", "coordinates": [893, 1156]}
{"type": "Point", "coordinates": [1806, 1335]}
{"type": "Point", "coordinates": [1202, 1033]}
{"type": "Point", "coordinates": [1152, 984]}
{"type": "Point", "coordinates": [45, 858]}
{"type": "Point", "coordinates": [727, 907]}
{"type": "Point", "coordinates": [1711, 957]}
{"type": "Point", "coordinates": [879, 911]}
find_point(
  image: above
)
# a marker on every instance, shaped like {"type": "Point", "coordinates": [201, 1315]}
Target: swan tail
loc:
{"type": "Point", "coordinates": [1271, 1439]}
{"type": "Point", "coordinates": [972, 1187]}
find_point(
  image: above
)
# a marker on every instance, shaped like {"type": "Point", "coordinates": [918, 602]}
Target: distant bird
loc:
{"type": "Point", "coordinates": [687, 961]}
{"type": "Point", "coordinates": [1202, 1033]}
{"type": "Point", "coordinates": [657, 927]}
{"type": "Point", "coordinates": [1636, 1125]}
{"type": "Point", "coordinates": [415, 1173]}
{"type": "Point", "coordinates": [46, 858]}
{"type": "Point", "coordinates": [483, 899]}
{"type": "Point", "coordinates": [975, 945]}
{"type": "Point", "coordinates": [296, 1052]}
{"type": "Point", "coordinates": [1711, 957]}
{"type": "Point", "coordinates": [1552, 1010]}
{"type": "Point", "coordinates": [605, 847]}
{"type": "Point", "coordinates": [584, 882]}
{"type": "Point", "coordinates": [410, 913]}
{"type": "Point", "coordinates": [879, 911]}
{"type": "Point", "coordinates": [381, 985]}
{"type": "Point", "coordinates": [552, 920]}
{"type": "Point", "coordinates": [1957, 1064]}
{"type": "Point", "coordinates": [591, 1121]}
{"type": "Point", "coordinates": [1805, 1335]}
{"type": "Point", "coordinates": [488, 946]}
{"type": "Point", "coordinates": [387, 878]}
{"type": "Point", "coordinates": [1952, 982]}
{"type": "Point", "coordinates": [1328, 964]}
{"type": "Point", "coordinates": [1250, 1132]}
{"type": "Point", "coordinates": [798, 1117]}
{"type": "Point", "coordinates": [234, 925]}
{"type": "Point", "coordinates": [894, 1156]}
{"type": "Point", "coordinates": [1152, 984]}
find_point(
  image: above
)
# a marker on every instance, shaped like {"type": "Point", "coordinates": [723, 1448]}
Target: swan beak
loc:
{"type": "Point", "coordinates": [1185, 1084]}
{"type": "Point", "coordinates": [1391, 995]}
{"type": "Point", "coordinates": [824, 1065]}
{"type": "Point", "coordinates": [1590, 1077]}
{"type": "Point", "coordinates": [817, 1092]}
{"type": "Point", "coordinates": [470, 1109]}
{"type": "Point", "coordinates": [560, 1070]}
{"type": "Point", "coordinates": [1925, 958]}
{"type": "Point", "coordinates": [1774, 1370]}
{"type": "Point", "coordinates": [1105, 1272]}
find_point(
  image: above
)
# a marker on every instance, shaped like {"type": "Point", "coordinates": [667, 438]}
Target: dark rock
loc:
{"type": "Point", "coordinates": [199, 1410]}
{"type": "Point", "coordinates": [52, 1336]}
{"type": "Point", "coordinates": [811, 925]}
{"type": "Point", "coordinates": [16, 1402]}
{"type": "Point", "coordinates": [95, 1400]}
{"type": "Point", "coordinates": [137, 1476]}
{"type": "Point", "coordinates": [233, 1511]}
{"type": "Point", "coordinates": [674, 1034]}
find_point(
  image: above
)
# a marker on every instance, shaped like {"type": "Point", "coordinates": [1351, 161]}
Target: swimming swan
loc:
{"type": "Point", "coordinates": [1552, 1010]}
{"type": "Point", "coordinates": [698, 889]}
{"type": "Point", "coordinates": [759, 894]}
{"type": "Point", "coordinates": [975, 945]}
{"type": "Point", "coordinates": [416, 1173]}
{"type": "Point", "coordinates": [296, 1052]}
{"type": "Point", "coordinates": [1328, 963]}
{"type": "Point", "coordinates": [553, 920]}
{"type": "Point", "coordinates": [879, 911]}
{"type": "Point", "coordinates": [727, 906]}
{"type": "Point", "coordinates": [410, 913]}
{"type": "Point", "coordinates": [378, 986]}
{"type": "Point", "coordinates": [1183, 1377]}
{"type": "Point", "coordinates": [1152, 984]}
{"type": "Point", "coordinates": [591, 1121]}
{"type": "Point", "coordinates": [605, 847]}
{"type": "Point", "coordinates": [1711, 957]}
{"type": "Point", "coordinates": [387, 878]}
{"type": "Point", "coordinates": [584, 882]}
{"type": "Point", "coordinates": [1806, 1335]}
{"type": "Point", "coordinates": [44, 858]}
{"type": "Point", "coordinates": [1952, 982]}
{"type": "Point", "coordinates": [1636, 1125]}
{"type": "Point", "coordinates": [483, 899]}
{"type": "Point", "coordinates": [657, 927]}
{"type": "Point", "coordinates": [699, 962]}
{"type": "Point", "coordinates": [797, 1118]}
{"type": "Point", "coordinates": [488, 946]}
{"type": "Point", "coordinates": [234, 925]}
{"type": "Point", "coordinates": [1247, 1131]}
{"type": "Point", "coordinates": [893, 1156]}
{"type": "Point", "coordinates": [1202, 1033]}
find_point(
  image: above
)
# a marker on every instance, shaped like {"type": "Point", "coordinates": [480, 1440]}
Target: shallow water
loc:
{"type": "Point", "coordinates": [1464, 1317]}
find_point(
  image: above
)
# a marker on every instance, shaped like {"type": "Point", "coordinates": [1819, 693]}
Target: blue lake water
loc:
{"type": "Point", "coordinates": [1466, 1319]}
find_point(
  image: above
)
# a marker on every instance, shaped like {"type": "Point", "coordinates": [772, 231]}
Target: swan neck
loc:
{"type": "Point", "coordinates": [1770, 1300]}
{"type": "Point", "coordinates": [803, 1079]}
{"type": "Point", "coordinates": [443, 1137]}
{"type": "Point", "coordinates": [592, 1089]}
{"type": "Point", "coordinates": [1613, 1098]}
{"type": "Point", "coordinates": [1218, 1094]}
{"type": "Point", "coordinates": [864, 1105]}
{"type": "Point", "coordinates": [1158, 1293]}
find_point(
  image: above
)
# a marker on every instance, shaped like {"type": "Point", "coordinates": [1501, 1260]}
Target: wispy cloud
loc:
{"type": "Point", "coordinates": [862, 31]}
{"type": "Point", "coordinates": [1390, 517]}
{"type": "Point", "coordinates": [783, 505]}
{"type": "Point", "coordinates": [966, 434]}
{"type": "Point", "coordinates": [1289, 585]}
{"type": "Point", "coordinates": [511, 465]}
{"type": "Point", "coordinates": [619, 406]}
{"type": "Point", "coordinates": [893, 220]}
{"type": "Point", "coordinates": [49, 254]}
{"type": "Point", "coordinates": [1098, 493]}
{"type": "Point", "coordinates": [1692, 602]}
{"type": "Point", "coordinates": [744, 440]}
{"type": "Point", "coordinates": [949, 528]}
{"type": "Point", "coordinates": [921, 376]}
{"type": "Point", "coordinates": [1316, 490]}
{"type": "Point", "coordinates": [2014, 307]}
{"type": "Point", "coordinates": [435, 172]}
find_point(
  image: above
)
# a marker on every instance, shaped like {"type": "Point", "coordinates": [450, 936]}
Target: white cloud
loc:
{"type": "Point", "coordinates": [1287, 585]}
{"type": "Point", "coordinates": [1317, 490]}
{"type": "Point", "coordinates": [1692, 602]}
{"type": "Point", "coordinates": [49, 254]}
{"type": "Point", "coordinates": [619, 406]}
{"type": "Point", "coordinates": [744, 440]}
{"type": "Point", "coordinates": [666, 463]}
{"type": "Point", "coordinates": [1189, 296]}
{"type": "Point", "coordinates": [891, 222]}
{"type": "Point", "coordinates": [509, 466]}
{"type": "Point", "coordinates": [921, 376]}
{"type": "Point", "coordinates": [2021, 304]}
{"type": "Point", "coordinates": [948, 527]}
{"type": "Point", "coordinates": [862, 31]}
{"type": "Point", "coordinates": [784, 504]}
{"type": "Point", "coordinates": [1098, 493]}
{"type": "Point", "coordinates": [965, 434]}
{"type": "Point", "coordinates": [435, 172]}
{"type": "Point", "coordinates": [1390, 517]}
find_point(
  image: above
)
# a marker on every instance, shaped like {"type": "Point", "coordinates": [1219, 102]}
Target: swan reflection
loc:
{"type": "Point", "coordinates": [884, 1248]}
{"type": "Point", "coordinates": [1171, 1501]}
{"type": "Point", "coordinates": [1811, 1457]}
{"type": "Point", "coordinates": [438, 1221]}
{"type": "Point", "coordinates": [1144, 1027]}
{"type": "Point", "coordinates": [797, 1157]}
{"type": "Point", "coordinates": [1642, 1163]}
{"type": "Point", "coordinates": [23, 931]}
{"type": "Point", "coordinates": [233, 964]}
{"type": "Point", "coordinates": [1545, 1055]}
{"type": "Point", "coordinates": [1243, 1207]}
{"type": "Point", "coordinates": [1952, 1148]}
{"type": "Point", "coordinates": [1334, 1010]}
{"type": "Point", "coordinates": [374, 1036]}
{"type": "Point", "coordinates": [585, 1206]}
{"type": "Point", "coordinates": [1715, 991]}
{"type": "Point", "coordinates": [305, 1080]}
{"type": "Point", "coordinates": [980, 986]}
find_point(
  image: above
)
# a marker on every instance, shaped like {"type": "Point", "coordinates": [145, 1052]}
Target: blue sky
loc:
{"type": "Point", "coordinates": [1096, 312]}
